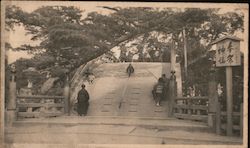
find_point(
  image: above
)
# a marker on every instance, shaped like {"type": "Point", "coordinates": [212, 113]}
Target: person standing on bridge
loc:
{"type": "Point", "coordinates": [166, 84]}
{"type": "Point", "coordinates": [82, 101]}
{"type": "Point", "coordinates": [130, 69]}
{"type": "Point", "coordinates": [158, 91]}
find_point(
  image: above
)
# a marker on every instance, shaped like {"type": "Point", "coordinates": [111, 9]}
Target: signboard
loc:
{"type": "Point", "coordinates": [228, 53]}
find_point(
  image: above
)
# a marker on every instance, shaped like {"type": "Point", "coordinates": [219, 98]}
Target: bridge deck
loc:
{"type": "Point", "coordinates": [115, 94]}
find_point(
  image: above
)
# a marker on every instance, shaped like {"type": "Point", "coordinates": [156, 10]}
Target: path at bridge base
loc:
{"type": "Point", "coordinates": [113, 130]}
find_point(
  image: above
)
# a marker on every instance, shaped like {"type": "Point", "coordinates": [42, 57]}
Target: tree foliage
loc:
{"type": "Point", "coordinates": [65, 34]}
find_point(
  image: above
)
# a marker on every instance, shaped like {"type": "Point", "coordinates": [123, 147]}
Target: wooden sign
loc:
{"type": "Point", "coordinates": [228, 52]}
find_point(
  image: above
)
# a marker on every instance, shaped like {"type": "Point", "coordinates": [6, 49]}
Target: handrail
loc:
{"type": "Point", "coordinates": [40, 104]}
{"type": "Point", "coordinates": [34, 109]}
{"type": "Point", "coordinates": [78, 71]}
{"type": "Point", "coordinates": [234, 113]}
{"type": "Point", "coordinates": [190, 110]}
{"type": "Point", "coordinates": [197, 107]}
{"type": "Point", "coordinates": [39, 97]}
{"type": "Point", "coordinates": [192, 98]}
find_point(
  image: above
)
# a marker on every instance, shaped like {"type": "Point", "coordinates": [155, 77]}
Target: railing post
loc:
{"type": "Point", "coordinates": [241, 119]}
{"type": "Point", "coordinates": [11, 105]}
{"type": "Point", "coordinates": [180, 110]}
{"type": "Point", "coordinates": [172, 95]}
{"type": "Point", "coordinates": [198, 112]}
{"type": "Point", "coordinates": [212, 99]}
{"type": "Point", "coordinates": [189, 103]}
{"type": "Point", "coordinates": [66, 94]}
{"type": "Point", "coordinates": [218, 119]}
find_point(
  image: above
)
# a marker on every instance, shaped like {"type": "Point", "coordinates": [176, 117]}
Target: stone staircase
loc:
{"type": "Point", "coordinates": [114, 94]}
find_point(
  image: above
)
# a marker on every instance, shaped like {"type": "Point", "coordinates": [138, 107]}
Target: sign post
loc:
{"type": "Point", "coordinates": [228, 55]}
{"type": "Point", "coordinates": [229, 100]}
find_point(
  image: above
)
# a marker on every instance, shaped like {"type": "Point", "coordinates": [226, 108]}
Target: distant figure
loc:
{"type": "Point", "coordinates": [219, 89]}
{"type": "Point", "coordinates": [87, 72]}
{"type": "Point", "coordinates": [158, 91]}
{"type": "Point", "coordinates": [30, 84]}
{"type": "Point", "coordinates": [192, 94]}
{"type": "Point", "coordinates": [130, 69]}
{"type": "Point", "coordinates": [191, 91]}
{"type": "Point", "coordinates": [82, 101]}
{"type": "Point", "coordinates": [48, 75]}
{"type": "Point", "coordinates": [91, 78]}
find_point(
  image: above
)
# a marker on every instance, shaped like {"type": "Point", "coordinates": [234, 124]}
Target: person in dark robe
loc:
{"type": "Point", "coordinates": [158, 91]}
{"type": "Point", "coordinates": [130, 69]}
{"type": "Point", "coordinates": [166, 85]}
{"type": "Point", "coordinates": [82, 101]}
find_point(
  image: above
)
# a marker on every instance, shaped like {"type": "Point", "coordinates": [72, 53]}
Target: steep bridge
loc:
{"type": "Point", "coordinates": [113, 93]}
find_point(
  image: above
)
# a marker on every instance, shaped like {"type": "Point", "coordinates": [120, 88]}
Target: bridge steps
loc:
{"type": "Point", "coordinates": [114, 94]}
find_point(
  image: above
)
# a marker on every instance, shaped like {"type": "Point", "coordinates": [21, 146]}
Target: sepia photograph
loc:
{"type": "Point", "coordinates": [124, 74]}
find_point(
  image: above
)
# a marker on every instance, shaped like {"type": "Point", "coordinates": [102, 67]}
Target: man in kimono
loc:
{"type": "Point", "coordinates": [166, 85]}
{"type": "Point", "coordinates": [82, 101]}
{"type": "Point", "coordinates": [130, 70]}
{"type": "Point", "coordinates": [158, 91]}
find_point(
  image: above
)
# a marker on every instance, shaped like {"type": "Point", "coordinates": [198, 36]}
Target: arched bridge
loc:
{"type": "Point", "coordinates": [113, 93]}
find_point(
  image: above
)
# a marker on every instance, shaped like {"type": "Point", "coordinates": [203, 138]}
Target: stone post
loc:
{"type": "Point", "coordinates": [212, 99]}
{"type": "Point", "coordinates": [66, 94]}
{"type": "Point", "coordinates": [218, 119]}
{"type": "Point", "coordinates": [172, 94]}
{"type": "Point", "coordinates": [11, 105]}
{"type": "Point", "coordinates": [241, 119]}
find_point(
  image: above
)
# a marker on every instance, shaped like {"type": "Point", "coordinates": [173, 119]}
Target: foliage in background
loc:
{"type": "Point", "coordinates": [64, 33]}
{"type": "Point", "coordinates": [69, 39]}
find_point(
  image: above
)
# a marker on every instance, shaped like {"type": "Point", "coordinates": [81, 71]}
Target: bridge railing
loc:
{"type": "Point", "coordinates": [192, 108]}
{"type": "Point", "coordinates": [30, 106]}
{"type": "Point", "coordinates": [221, 121]}
{"type": "Point", "coordinates": [206, 108]}
{"type": "Point", "coordinates": [40, 106]}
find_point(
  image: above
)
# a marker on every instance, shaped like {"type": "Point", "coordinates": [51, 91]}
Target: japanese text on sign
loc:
{"type": "Point", "coordinates": [228, 53]}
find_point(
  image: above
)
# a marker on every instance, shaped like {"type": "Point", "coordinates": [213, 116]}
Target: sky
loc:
{"type": "Point", "coordinates": [18, 37]}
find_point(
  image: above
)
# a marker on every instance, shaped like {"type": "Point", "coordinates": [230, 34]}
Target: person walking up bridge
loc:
{"type": "Point", "coordinates": [130, 70]}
